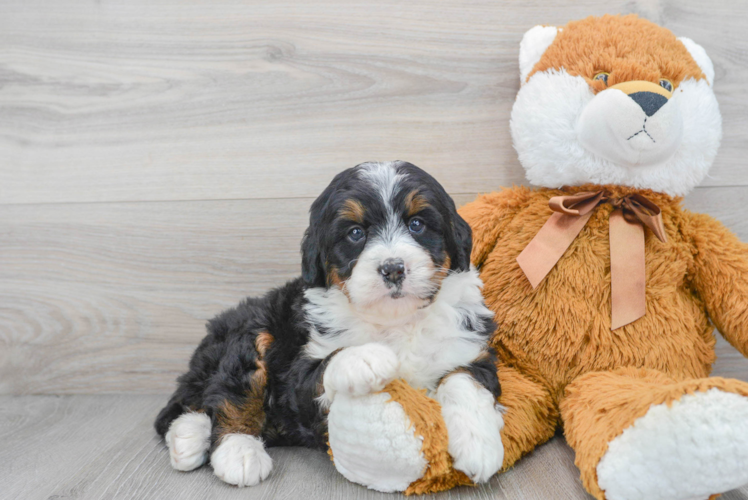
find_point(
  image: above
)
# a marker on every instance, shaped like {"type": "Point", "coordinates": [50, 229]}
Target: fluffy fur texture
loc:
{"type": "Point", "coordinates": [419, 349]}
{"type": "Point", "coordinates": [532, 47]}
{"type": "Point", "coordinates": [241, 460]}
{"type": "Point", "coordinates": [367, 426]}
{"type": "Point", "coordinates": [600, 405]}
{"type": "Point", "coordinates": [386, 292]}
{"type": "Point", "coordinates": [654, 459]}
{"type": "Point", "coordinates": [605, 387]}
{"type": "Point", "coordinates": [188, 440]}
{"type": "Point", "coordinates": [570, 129]}
{"type": "Point", "coordinates": [474, 425]}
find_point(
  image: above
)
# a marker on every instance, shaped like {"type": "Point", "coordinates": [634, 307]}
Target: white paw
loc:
{"type": "Point", "coordinates": [694, 448]}
{"type": "Point", "coordinates": [474, 424]}
{"type": "Point", "coordinates": [188, 440]}
{"type": "Point", "coordinates": [360, 370]}
{"type": "Point", "coordinates": [241, 459]}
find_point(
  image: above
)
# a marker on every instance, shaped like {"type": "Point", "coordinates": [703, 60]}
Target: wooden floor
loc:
{"type": "Point", "coordinates": [103, 447]}
{"type": "Point", "coordinates": [157, 161]}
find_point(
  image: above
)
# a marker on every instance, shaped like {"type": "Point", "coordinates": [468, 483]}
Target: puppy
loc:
{"type": "Point", "coordinates": [386, 292]}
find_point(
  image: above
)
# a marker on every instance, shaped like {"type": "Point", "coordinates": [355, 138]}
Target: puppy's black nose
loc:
{"type": "Point", "coordinates": [393, 271]}
{"type": "Point", "coordinates": [649, 101]}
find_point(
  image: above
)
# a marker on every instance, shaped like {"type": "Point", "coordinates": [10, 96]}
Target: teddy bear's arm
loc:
{"type": "Point", "coordinates": [488, 215]}
{"type": "Point", "coordinates": [721, 277]}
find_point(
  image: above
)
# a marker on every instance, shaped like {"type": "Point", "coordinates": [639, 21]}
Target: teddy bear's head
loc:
{"type": "Point", "coordinates": [615, 100]}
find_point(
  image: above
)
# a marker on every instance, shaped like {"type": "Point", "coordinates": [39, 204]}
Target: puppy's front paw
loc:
{"type": "Point", "coordinates": [241, 459]}
{"type": "Point", "coordinates": [360, 370]}
{"type": "Point", "coordinates": [188, 441]}
{"type": "Point", "coordinates": [474, 426]}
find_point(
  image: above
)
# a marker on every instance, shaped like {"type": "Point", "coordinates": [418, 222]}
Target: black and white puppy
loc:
{"type": "Point", "coordinates": [386, 291]}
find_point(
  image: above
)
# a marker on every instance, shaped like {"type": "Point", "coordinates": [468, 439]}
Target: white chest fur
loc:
{"type": "Point", "coordinates": [429, 342]}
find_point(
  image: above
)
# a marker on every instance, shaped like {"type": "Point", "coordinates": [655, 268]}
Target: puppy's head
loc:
{"type": "Point", "coordinates": [386, 234]}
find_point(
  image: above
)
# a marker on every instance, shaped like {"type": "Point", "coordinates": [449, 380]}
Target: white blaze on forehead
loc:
{"type": "Point", "coordinates": [385, 179]}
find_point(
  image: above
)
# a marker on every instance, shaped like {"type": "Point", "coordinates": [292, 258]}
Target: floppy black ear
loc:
{"type": "Point", "coordinates": [312, 271]}
{"type": "Point", "coordinates": [463, 243]}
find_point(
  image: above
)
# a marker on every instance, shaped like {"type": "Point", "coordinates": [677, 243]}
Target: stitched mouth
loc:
{"type": "Point", "coordinates": [644, 131]}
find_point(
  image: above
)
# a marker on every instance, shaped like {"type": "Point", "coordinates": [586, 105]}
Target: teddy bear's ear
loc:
{"type": "Point", "coordinates": [699, 55]}
{"type": "Point", "coordinates": [532, 47]}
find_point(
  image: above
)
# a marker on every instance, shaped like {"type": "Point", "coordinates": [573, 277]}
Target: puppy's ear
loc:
{"type": "Point", "coordinates": [312, 270]}
{"type": "Point", "coordinates": [463, 243]}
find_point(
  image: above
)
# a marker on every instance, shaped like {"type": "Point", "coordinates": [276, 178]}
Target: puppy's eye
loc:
{"type": "Point", "coordinates": [602, 77]}
{"type": "Point", "coordinates": [665, 84]}
{"type": "Point", "coordinates": [416, 225]}
{"type": "Point", "coordinates": [356, 234]}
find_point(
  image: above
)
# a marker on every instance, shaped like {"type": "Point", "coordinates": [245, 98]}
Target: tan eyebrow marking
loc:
{"type": "Point", "coordinates": [352, 210]}
{"type": "Point", "coordinates": [414, 202]}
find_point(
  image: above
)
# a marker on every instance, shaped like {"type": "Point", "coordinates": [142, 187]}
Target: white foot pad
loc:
{"type": "Point", "coordinates": [241, 459]}
{"type": "Point", "coordinates": [690, 450]}
{"type": "Point", "coordinates": [373, 442]}
{"type": "Point", "coordinates": [188, 440]}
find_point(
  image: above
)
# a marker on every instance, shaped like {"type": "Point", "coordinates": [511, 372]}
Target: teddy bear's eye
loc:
{"type": "Point", "coordinates": [665, 84]}
{"type": "Point", "coordinates": [603, 77]}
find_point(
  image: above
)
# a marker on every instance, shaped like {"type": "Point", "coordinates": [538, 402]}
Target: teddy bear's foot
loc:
{"type": "Point", "coordinates": [691, 449]}
{"type": "Point", "coordinates": [395, 440]}
{"type": "Point", "coordinates": [188, 440]}
{"type": "Point", "coordinates": [374, 443]}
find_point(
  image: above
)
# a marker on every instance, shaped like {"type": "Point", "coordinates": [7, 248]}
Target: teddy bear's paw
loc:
{"type": "Point", "coordinates": [360, 370]}
{"type": "Point", "coordinates": [696, 447]}
{"type": "Point", "coordinates": [374, 443]}
{"type": "Point", "coordinates": [241, 460]}
{"type": "Point", "coordinates": [474, 422]}
{"type": "Point", "coordinates": [188, 440]}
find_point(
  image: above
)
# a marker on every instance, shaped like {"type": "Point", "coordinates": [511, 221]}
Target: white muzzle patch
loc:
{"type": "Point", "coordinates": [367, 283]}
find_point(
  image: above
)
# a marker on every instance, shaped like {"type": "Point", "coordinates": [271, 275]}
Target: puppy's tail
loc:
{"type": "Point", "coordinates": [168, 414]}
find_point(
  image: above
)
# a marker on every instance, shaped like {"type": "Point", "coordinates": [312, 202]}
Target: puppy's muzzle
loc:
{"type": "Point", "coordinates": [392, 271]}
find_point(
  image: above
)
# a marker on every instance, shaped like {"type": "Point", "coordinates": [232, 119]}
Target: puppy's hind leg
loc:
{"type": "Point", "coordinates": [239, 456]}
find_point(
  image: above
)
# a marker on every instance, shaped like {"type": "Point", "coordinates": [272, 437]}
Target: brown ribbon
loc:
{"type": "Point", "coordinates": [627, 221]}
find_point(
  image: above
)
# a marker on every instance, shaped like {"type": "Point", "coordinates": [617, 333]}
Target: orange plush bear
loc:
{"type": "Point", "coordinates": [602, 284]}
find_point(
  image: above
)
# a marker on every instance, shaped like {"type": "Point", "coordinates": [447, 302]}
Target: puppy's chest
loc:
{"type": "Point", "coordinates": [427, 350]}
{"type": "Point", "coordinates": [426, 356]}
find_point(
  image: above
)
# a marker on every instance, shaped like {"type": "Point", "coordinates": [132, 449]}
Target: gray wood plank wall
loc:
{"type": "Point", "coordinates": [157, 158]}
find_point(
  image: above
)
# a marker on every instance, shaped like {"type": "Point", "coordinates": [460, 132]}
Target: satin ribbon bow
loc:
{"type": "Point", "coordinates": [627, 221]}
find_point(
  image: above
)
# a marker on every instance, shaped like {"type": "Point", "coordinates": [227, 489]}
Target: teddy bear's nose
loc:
{"type": "Point", "coordinates": [649, 101]}
{"type": "Point", "coordinates": [648, 95]}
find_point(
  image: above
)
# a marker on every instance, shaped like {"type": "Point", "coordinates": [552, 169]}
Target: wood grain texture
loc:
{"type": "Point", "coordinates": [96, 447]}
{"type": "Point", "coordinates": [112, 297]}
{"type": "Point", "coordinates": [158, 158]}
{"type": "Point", "coordinates": [142, 100]}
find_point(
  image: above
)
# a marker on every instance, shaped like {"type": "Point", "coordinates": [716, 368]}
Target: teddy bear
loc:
{"type": "Point", "coordinates": [605, 290]}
